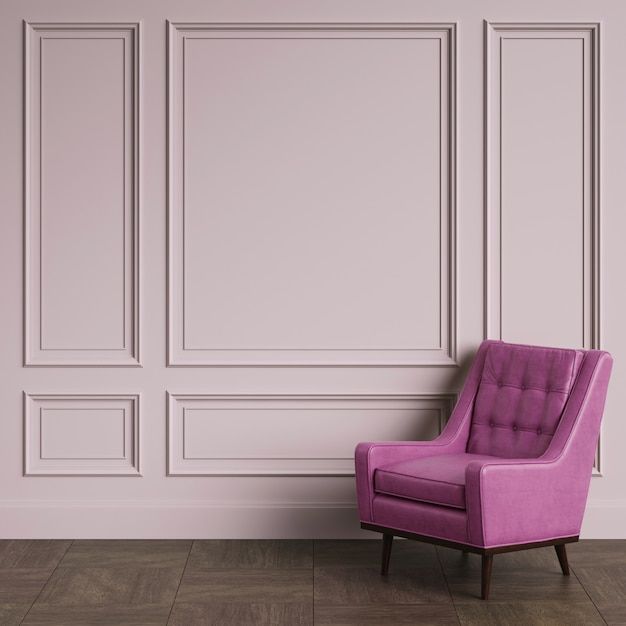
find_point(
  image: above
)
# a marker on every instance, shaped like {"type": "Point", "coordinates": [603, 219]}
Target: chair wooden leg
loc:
{"type": "Point", "coordinates": [562, 554]}
{"type": "Point", "coordinates": [387, 542]}
{"type": "Point", "coordinates": [485, 580]}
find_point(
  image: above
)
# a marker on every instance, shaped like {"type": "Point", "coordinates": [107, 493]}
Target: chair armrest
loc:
{"type": "Point", "coordinates": [369, 456]}
{"type": "Point", "coordinates": [524, 500]}
{"type": "Point", "coordinates": [513, 501]}
{"type": "Point", "coordinates": [375, 454]}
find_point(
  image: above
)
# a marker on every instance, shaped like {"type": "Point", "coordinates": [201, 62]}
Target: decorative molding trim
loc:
{"type": "Point", "coordinates": [180, 465]}
{"type": "Point", "coordinates": [36, 463]}
{"type": "Point", "coordinates": [124, 519]}
{"type": "Point", "coordinates": [174, 519]}
{"type": "Point", "coordinates": [492, 209]}
{"type": "Point", "coordinates": [492, 253]}
{"type": "Point", "coordinates": [34, 353]}
{"type": "Point", "coordinates": [446, 355]}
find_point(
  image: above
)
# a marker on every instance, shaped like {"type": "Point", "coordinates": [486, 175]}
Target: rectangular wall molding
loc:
{"type": "Point", "coordinates": [542, 239]}
{"type": "Point", "coordinates": [544, 139]}
{"type": "Point", "coordinates": [290, 434]}
{"type": "Point", "coordinates": [81, 193]}
{"type": "Point", "coordinates": [371, 271]}
{"type": "Point", "coordinates": [81, 435]}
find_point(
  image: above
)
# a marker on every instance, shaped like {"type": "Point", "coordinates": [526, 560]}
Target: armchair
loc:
{"type": "Point", "coordinates": [511, 468]}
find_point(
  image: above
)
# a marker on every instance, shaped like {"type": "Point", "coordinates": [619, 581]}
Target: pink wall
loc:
{"type": "Point", "coordinates": [253, 234]}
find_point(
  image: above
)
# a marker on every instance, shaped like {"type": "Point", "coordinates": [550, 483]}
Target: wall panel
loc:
{"type": "Point", "coordinates": [322, 230]}
{"type": "Point", "coordinates": [81, 435]}
{"type": "Point", "coordinates": [81, 194]}
{"type": "Point", "coordinates": [291, 434]}
{"type": "Point", "coordinates": [542, 167]}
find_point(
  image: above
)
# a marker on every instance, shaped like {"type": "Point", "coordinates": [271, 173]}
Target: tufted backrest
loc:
{"type": "Point", "coordinates": [520, 399]}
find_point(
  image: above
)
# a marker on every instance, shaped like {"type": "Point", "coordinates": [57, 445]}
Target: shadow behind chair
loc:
{"type": "Point", "coordinates": [510, 470]}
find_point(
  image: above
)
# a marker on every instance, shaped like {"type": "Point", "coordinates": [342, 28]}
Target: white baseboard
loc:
{"type": "Point", "coordinates": [192, 520]}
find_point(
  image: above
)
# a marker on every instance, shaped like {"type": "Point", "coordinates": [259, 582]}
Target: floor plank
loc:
{"type": "Point", "coordinates": [367, 553]}
{"type": "Point", "coordinates": [516, 587]}
{"type": "Point", "coordinates": [597, 552]}
{"type": "Point", "coordinates": [240, 613]}
{"type": "Point", "coordinates": [614, 614]}
{"type": "Point", "coordinates": [118, 553]}
{"type": "Point", "coordinates": [43, 554]}
{"type": "Point", "coordinates": [94, 615]}
{"type": "Point", "coordinates": [517, 576]}
{"type": "Point", "coordinates": [18, 586]}
{"type": "Point", "coordinates": [251, 554]}
{"type": "Point", "coordinates": [108, 586]}
{"type": "Point", "coordinates": [25, 567]}
{"type": "Point", "coordinates": [529, 613]}
{"type": "Point", "coordinates": [12, 613]}
{"type": "Point", "coordinates": [247, 585]}
{"type": "Point", "coordinates": [606, 587]}
{"type": "Point", "coordinates": [389, 615]}
{"type": "Point", "coordinates": [353, 586]}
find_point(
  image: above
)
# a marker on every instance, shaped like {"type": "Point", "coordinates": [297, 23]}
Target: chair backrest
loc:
{"type": "Point", "coordinates": [520, 399]}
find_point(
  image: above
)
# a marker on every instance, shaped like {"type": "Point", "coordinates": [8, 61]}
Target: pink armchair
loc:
{"type": "Point", "coordinates": [510, 470]}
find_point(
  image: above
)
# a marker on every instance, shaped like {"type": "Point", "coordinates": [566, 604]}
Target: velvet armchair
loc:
{"type": "Point", "coordinates": [511, 468]}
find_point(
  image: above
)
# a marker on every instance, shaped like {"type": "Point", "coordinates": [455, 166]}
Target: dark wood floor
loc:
{"type": "Point", "coordinates": [302, 582]}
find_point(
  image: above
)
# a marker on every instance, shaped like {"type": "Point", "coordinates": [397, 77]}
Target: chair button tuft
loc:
{"type": "Point", "coordinates": [499, 383]}
{"type": "Point", "coordinates": [514, 426]}
{"type": "Point", "coordinates": [491, 424]}
{"type": "Point", "coordinates": [539, 431]}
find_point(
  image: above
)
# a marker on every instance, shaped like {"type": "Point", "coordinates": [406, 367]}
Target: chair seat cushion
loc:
{"type": "Point", "coordinates": [434, 479]}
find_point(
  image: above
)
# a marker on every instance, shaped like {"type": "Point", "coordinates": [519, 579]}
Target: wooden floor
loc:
{"type": "Point", "coordinates": [302, 582]}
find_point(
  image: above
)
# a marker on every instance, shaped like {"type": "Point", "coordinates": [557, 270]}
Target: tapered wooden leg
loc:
{"type": "Point", "coordinates": [485, 580]}
{"type": "Point", "coordinates": [562, 554]}
{"type": "Point", "coordinates": [387, 542]}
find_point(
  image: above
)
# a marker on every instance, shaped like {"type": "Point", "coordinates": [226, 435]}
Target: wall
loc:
{"type": "Point", "coordinates": [237, 238]}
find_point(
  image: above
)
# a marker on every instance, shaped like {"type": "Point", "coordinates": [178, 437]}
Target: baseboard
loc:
{"type": "Point", "coordinates": [604, 519]}
{"type": "Point", "coordinates": [185, 520]}
{"type": "Point", "coordinates": [193, 520]}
